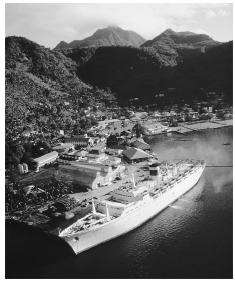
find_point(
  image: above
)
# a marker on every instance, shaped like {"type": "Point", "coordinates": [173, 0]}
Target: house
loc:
{"type": "Point", "coordinates": [96, 155]}
{"type": "Point", "coordinates": [82, 141]}
{"type": "Point", "coordinates": [23, 168]}
{"type": "Point", "coordinates": [141, 144]}
{"type": "Point", "coordinates": [139, 116]}
{"type": "Point", "coordinates": [67, 158]}
{"type": "Point", "coordinates": [135, 155]}
{"type": "Point", "coordinates": [103, 124]}
{"type": "Point", "coordinates": [63, 147]}
{"type": "Point", "coordinates": [114, 150]}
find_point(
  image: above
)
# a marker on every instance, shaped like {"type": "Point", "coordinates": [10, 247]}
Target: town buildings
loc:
{"type": "Point", "coordinates": [23, 168]}
{"type": "Point", "coordinates": [90, 175]}
{"type": "Point", "coordinates": [45, 159]}
{"type": "Point", "coordinates": [82, 141]}
{"type": "Point", "coordinates": [133, 155]}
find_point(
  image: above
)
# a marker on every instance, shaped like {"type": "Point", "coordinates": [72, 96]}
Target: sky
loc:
{"type": "Point", "coordinates": [48, 24]}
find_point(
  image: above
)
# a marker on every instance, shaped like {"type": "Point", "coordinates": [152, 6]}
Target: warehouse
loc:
{"type": "Point", "coordinates": [133, 155]}
{"type": "Point", "coordinates": [90, 175]}
{"type": "Point", "coordinates": [45, 159]}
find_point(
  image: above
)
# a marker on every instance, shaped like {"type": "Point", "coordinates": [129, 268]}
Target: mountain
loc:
{"type": "Point", "coordinates": [185, 39]}
{"type": "Point", "coordinates": [43, 89]}
{"type": "Point", "coordinates": [175, 46]}
{"type": "Point", "coordinates": [137, 72]}
{"type": "Point", "coordinates": [25, 56]}
{"type": "Point", "coordinates": [110, 36]}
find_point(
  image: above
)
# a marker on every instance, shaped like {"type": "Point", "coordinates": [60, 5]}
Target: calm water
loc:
{"type": "Point", "coordinates": [191, 239]}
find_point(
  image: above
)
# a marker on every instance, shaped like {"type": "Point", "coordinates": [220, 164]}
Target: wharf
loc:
{"type": "Point", "coordinates": [34, 216]}
{"type": "Point", "coordinates": [198, 126]}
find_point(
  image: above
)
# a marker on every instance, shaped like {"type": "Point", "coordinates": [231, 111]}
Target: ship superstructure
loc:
{"type": "Point", "coordinates": [132, 204]}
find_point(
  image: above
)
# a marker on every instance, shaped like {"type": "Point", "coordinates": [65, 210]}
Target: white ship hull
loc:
{"type": "Point", "coordinates": [148, 209]}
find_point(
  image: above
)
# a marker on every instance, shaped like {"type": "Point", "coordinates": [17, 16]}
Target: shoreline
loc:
{"type": "Point", "coordinates": [197, 127]}
{"type": "Point", "coordinates": [80, 196]}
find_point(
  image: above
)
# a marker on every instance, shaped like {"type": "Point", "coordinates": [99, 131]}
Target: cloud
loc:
{"type": "Point", "coordinates": [221, 12]}
{"type": "Point", "coordinates": [48, 24]}
{"type": "Point", "coordinates": [211, 14]}
{"type": "Point", "coordinates": [224, 13]}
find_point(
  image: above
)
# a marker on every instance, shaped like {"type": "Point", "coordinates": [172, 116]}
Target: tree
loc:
{"type": "Point", "coordinates": [138, 130]}
{"type": "Point", "coordinates": [111, 141]}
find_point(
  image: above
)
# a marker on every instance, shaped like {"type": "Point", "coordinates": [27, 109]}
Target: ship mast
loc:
{"type": "Point", "coordinates": [107, 211]}
{"type": "Point", "coordinates": [93, 206]}
{"type": "Point", "coordinates": [133, 180]}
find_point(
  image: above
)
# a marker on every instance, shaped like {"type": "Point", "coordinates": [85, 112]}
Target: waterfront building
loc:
{"type": "Point", "coordinates": [114, 150]}
{"type": "Point", "coordinates": [45, 159]}
{"type": "Point", "coordinates": [141, 144]}
{"type": "Point", "coordinates": [136, 155]}
{"type": "Point", "coordinates": [96, 155]}
{"type": "Point", "coordinates": [90, 175]}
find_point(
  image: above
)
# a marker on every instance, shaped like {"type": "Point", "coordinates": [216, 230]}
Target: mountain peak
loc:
{"type": "Point", "coordinates": [169, 31]}
{"type": "Point", "coordinates": [109, 36]}
{"type": "Point", "coordinates": [180, 39]}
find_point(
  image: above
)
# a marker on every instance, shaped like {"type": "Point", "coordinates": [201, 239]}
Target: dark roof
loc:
{"type": "Point", "coordinates": [141, 144]}
{"type": "Point", "coordinates": [155, 164]}
{"type": "Point", "coordinates": [94, 151]}
{"type": "Point", "coordinates": [79, 139]}
{"type": "Point", "coordinates": [135, 153]}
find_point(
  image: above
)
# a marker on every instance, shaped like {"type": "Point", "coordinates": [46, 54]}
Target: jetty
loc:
{"type": "Point", "coordinates": [198, 126]}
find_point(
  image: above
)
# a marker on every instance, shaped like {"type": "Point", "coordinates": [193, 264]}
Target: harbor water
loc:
{"type": "Point", "coordinates": [193, 238]}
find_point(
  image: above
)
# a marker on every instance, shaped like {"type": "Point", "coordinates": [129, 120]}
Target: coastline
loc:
{"type": "Point", "coordinates": [198, 126]}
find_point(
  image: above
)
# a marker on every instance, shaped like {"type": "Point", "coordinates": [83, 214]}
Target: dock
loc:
{"type": "Point", "coordinates": [198, 126]}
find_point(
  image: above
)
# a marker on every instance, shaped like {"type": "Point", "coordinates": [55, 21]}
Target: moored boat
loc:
{"type": "Point", "coordinates": [126, 208]}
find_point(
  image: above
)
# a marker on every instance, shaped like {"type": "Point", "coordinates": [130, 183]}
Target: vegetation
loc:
{"type": "Point", "coordinates": [105, 37]}
{"type": "Point", "coordinates": [140, 73]}
{"type": "Point", "coordinates": [51, 91]}
{"type": "Point", "coordinates": [43, 96]}
{"type": "Point", "coordinates": [18, 198]}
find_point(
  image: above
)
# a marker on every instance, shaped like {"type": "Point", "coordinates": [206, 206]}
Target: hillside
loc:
{"type": "Point", "coordinates": [51, 90]}
{"type": "Point", "coordinates": [132, 72]}
{"type": "Point", "coordinates": [175, 46]}
{"type": "Point", "coordinates": [110, 36]}
{"type": "Point", "coordinates": [43, 89]}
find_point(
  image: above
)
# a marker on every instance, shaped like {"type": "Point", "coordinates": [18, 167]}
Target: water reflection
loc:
{"type": "Point", "coordinates": [208, 146]}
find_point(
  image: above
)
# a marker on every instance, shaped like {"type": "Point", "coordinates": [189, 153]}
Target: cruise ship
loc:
{"type": "Point", "coordinates": [129, 206]}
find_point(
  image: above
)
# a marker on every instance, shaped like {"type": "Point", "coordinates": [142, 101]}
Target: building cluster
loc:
{"type": "Point", "coordinates": [97, 167]}
{"type": "Point", "coordinates": [98, 157]}
{"type": "Point", "coordinates": [88, 162]}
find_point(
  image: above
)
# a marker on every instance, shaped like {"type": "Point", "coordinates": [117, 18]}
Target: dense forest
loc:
{"type": "Point", "coordinates": [64, 89]}
{"type": "Point", "coordinates": [133, 72]}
